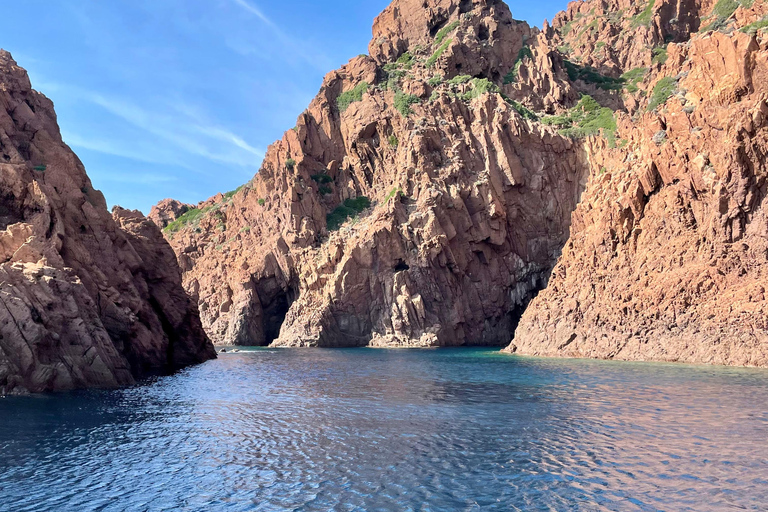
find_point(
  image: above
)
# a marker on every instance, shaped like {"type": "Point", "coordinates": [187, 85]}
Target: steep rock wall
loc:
{"type": "Point", "coordinates": [84, 300]}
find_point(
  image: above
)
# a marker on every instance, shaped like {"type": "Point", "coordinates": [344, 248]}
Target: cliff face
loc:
{"type": "Point", "coordinates": [85, 299]}
{"type": "Point", "coordinates": [668, 256]}
{"type": "Point", "coordinates": [427, 192]}
{"type": "Point", "coordinates": [464, 202]}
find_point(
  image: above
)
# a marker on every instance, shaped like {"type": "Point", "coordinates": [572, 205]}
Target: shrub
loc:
{"type": "Point", "coordinates": [460, 79]}
{"type": "Point", "coordinates": [404, 101]}
{"type": "Point", "coordinates": [324, 191]}
{"type": "Point", "coordinates": [350, 208]}
{"type": "Point", "coordinates": [592, 76]}
{"type": "Point", "coordinates": [756, 27]}
{"type": "Point", "coordinates": [585, 119]}
{"type": "Point", "coordinates": [632, 78]}
{"type": "Point", "coordinates": [262, 202]}
{"type": "Point", "coordinates": [644, 18]}
{"type": "Point", "coordinates": [229, 195]}
{"type": "Point", "coordinates": [290, 164]}
{"type": "Point", "coordinates": [405, 60]}
{"type": "Point", "coordinates": [660, 55]}
{"type": "Point", "coordinates": [322, 178]}
{"type": "Point", "coordinates": [662, 91]}
{"type": "Point", "coordinates": [345, 99]}
{"type": "Point", "coordinates": [433, 59]}
{"type": "Point", "coordinates": [40, 168]}
{"type": "Point", "coordinates": [480, 86]}
{"type": "Point", "coordinates": [245, 229]}
{"type": "Point", "coordinates": [524, 53]}
{"type": "Point", "coordinates": [440, 36]}
{"type": "Point", "coordinates": [393, 141]}
{"type": "Point", "coordinates": [435, 81]}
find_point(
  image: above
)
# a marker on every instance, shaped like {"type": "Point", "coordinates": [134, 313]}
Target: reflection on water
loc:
{"type": "Point", "coordinates": [395, 430]}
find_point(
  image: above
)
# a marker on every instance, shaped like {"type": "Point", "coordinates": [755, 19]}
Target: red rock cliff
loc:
{"type": "Point", "coordinates": [85, 299]}
{"type": "Point", "coordinates": [427, 192]}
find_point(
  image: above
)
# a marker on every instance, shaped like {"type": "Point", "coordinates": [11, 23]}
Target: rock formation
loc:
{"type": "Point", "coordinates": [86, 300]}
{"type": "Point", "coordinates": [427, 192]}
{"type": "Point", "coordinates": [668, 257]}
{"type": "Point", "coordinates": [167, 211]}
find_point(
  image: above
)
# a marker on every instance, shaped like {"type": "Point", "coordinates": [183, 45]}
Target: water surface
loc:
{"type": "Point", "coordinates": [370, 430]}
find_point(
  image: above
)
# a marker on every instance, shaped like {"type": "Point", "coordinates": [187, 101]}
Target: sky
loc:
{"type": "Point", "coordinates": [181, 98]}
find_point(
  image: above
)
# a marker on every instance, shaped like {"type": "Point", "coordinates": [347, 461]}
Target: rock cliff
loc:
{"type": "Point", "coordinates": [87, 299]}
{"type": "Point", "coordinates": [427, 192]}
{"type": "Point", "coordinates": [668, 255]}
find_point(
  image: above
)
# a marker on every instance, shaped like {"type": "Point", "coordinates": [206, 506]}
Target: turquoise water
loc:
{"type": "Point", "coordinates": [370, 430]}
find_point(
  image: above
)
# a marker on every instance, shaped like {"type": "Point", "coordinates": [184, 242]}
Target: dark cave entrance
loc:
{"type": "Point", "coordinates": [274, 312]}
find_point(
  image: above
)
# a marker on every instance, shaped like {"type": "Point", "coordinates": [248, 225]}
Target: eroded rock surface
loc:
{"type": "Point", "coordinates": [466, 141]}
{"type": "Point", "coordinates": [85, 300]}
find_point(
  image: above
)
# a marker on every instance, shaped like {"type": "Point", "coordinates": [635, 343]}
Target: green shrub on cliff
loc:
{"type": "Point", "coordinates": [349, 209]}
{"type": "Point", "coordinates": [524, 53]}
{"type": "Point", "coordinates": [192, 216]}
{"type": "Point", "coordinates": [433, 59]}
{"type": "Point", "coordinates": [441, 35]}
{"type": "Point", "coordinates": [585, 119]}
{"type": "Point", "coordinates": [662, 91]}
{"type": "Point", "coordinates": [644, 18]}
{"type": "Point", "coordinates": [480, 86]}
{"type": "Point", "coordinates": [345, 99]}
{"type": "Point", "coordinates": [404, 101]}
{"type": "Point", "coordinates": [632, 78]}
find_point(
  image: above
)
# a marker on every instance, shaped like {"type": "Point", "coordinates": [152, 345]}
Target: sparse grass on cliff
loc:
{"type": "Point", "coordinates": [349, 209]}
{"type": "Point", "coordinates": [524, 53]}
{"type": "Point", "coordinates": [443, 33]}
{"type": "Point", "coordinates": [632, 78]}
{"type": "Point", "coordinates": [660, 55]}
{"type": "Point", "coordinates": [723, 10]}
{"type": "Point", "coordinates": [394, 192]}
{"type": "Point", "coordinates": [433, 59]}
{"type": "Point", "coordinates": [345, 99]}
{"type": "Point", "coordinates": [585, 119]}
{"type": "Point", "coordinates": [592, 76]}
{"type": "Point", "coordinates": [644, 17]}
{"type": "Point", "coordinates": [435, 81]}
{"type": "Point", "coordinates": [229, 195]}
{"type": "Point", "coordinates": [662, 91]}
{"type": "Point", "coordinates": [480, 86]}
{"type": "Point", "coordinates": [191, 217]}
{"type": "Point", "coordinates": [393, 141]}
{"type": "Point", "coordinates": [755, 27]}
{"type": "Point", "coordinates": [404, 101]}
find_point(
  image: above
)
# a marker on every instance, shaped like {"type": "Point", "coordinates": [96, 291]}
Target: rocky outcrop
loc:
{"type": "Point", "coordinates": [466, 201]}
{"type": "Point", "coordinates": [84, 300]}
{"type": "Point", "coordinates": [425, 195]}
{"type": "Point", "coordinates": [668, 257]}
{"type": "Point", "coordinates": [167, 211]}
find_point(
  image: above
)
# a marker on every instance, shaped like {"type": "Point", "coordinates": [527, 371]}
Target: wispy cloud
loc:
{"type": "Point", "coordinates": [253, 10]}
{"type": "Point", "coordinates": [296, 49]}
{"type": "Point", "coordinates": [169, 134]}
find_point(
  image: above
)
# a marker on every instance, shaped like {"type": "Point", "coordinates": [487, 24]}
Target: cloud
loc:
{"type": "Point", "coordinates": [253, 10]}
{"type": "Point", "coordinates": [187, 133]}
{"type": "Point", "coordinates": [296, 49]}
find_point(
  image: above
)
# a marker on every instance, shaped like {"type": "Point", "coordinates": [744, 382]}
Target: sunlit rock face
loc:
{"type": "Point", "coordinates": [85, 300]}
{"type": "Point", "coordinates": [427, 192]}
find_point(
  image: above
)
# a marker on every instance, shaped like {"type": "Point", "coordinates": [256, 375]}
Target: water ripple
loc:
{"type": "Point", "coordinates": [366, 430]}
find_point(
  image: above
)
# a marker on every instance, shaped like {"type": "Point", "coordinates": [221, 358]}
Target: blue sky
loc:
{"type": "Point", "coordinates": [181, 98]}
